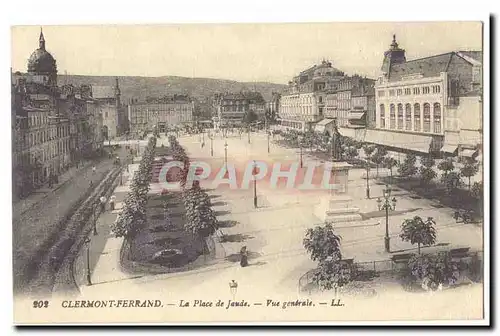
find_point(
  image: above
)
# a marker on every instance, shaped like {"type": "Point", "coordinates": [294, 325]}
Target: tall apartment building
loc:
{"type": "Point", "coordinates": [232, 108]}
{"type": "Point", "coordinates": [164, 113]}
{"type": "Point", "coordinates": [50, 125]}
{"type": "Point", "coordinates": [303, 103]}
{"type": "Point", "coordinates": [426, 103]}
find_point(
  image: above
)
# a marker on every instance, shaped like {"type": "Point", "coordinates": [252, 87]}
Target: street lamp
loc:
{"type": "Point", "coordinates": [94, 217]}
{"type": "Point", "coordinates": [268, 149]}
{"type": "Point", "coordinates": [248, 133]}
{"type": "Point", "coordinates": [367, 179]}
{"type": "Point", "coordinates": [254, 172]}
{"type": "Point", "coordinates": [233, 288]}
{"type": "Point", "coordinates": [87, 244]}
{"type": "Point", "coordinates": [301, 161]}
{"type": "Point", "coordinates": [211, 137]}
{"type": "Point", "coordinates": [225, 153]}
{"type": "Point", "coordinates": [386, 204]}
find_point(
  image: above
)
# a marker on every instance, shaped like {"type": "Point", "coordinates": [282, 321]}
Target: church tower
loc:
{"type": "Point", "coordinates": [42, 65]}
{"type": "Point", "coordinates": [394, 55]}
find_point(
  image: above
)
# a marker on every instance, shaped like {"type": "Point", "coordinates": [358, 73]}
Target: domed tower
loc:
{"type": "Point", "coordinates": [394, 55]}
{"type": "Point", "coordinates": [42, 65]}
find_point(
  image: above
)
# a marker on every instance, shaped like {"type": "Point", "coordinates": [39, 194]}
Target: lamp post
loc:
{"type": "Point", "coordinates": [138, 148]}
{"type": "Point", "coordinates": [248, 133]}
{"type": "Point", "coordinates": [87, 244]}
{"type": "Point", "coordinates": [367, 179]}
{"type": "Point", "coordinates": [225, 153]}
{"type": "Point", "coordinates": [268, 148]}
{"type": "Point", "coordinates": [233, 288]}
{"type": "Point", "coordinates": [301, 161]}
{"type": "Point", "coordinates": [387, 204]}
{"type": "Point", "coordinates": [211, 137]}
{"type": "Point", "coordinates": [94, 218]}
{"type": "Point", "coordinates": [254, 172]}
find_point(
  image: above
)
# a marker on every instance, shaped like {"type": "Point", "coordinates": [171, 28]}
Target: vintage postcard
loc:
{"type": "Point", "coordinates": [250, 173]}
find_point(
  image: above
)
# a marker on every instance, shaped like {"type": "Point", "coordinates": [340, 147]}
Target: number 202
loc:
{"type": "Point", "coordinates": [40, 304]}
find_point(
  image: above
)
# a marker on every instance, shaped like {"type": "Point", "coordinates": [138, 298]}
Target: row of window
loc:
{"type": "Point", "coordinates": [406, 124]}
{"type": "Point", "coordinates": [46, 135]}
{"type": "Point", "coordinates": [51, 152]}
{"type": "Point", "coordinates": [435, 89]}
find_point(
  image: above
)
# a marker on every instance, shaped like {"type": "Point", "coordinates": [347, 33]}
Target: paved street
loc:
{"type": "Point", "coordinates": [32, 227]}
{"type": "Point", "coordinates": [273, 233]}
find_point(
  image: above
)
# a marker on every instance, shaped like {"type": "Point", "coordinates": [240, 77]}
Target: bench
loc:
{"type": "Point", "coordinates": [459, 252]}
{"type": "Point", "coordinates": [401, 258]}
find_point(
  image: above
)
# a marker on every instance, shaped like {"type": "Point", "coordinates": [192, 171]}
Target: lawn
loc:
{"type": "Point", "coordinates": [160, 235]}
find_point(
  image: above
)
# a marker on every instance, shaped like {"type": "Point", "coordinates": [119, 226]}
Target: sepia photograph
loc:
{"type": "Point", "coordinates": [248, 172]}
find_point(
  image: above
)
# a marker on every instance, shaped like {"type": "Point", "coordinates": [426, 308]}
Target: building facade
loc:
{"type": "Point", "coordinates": [235, 108]}
{"type": "Point", "coordinates": [164, 113]}
{"type": "Point", "coordinates": [114, 115]}
{"type": "Point", "coordinates": [273, 106]}
{"type": "Point", "coordinates": [303, 103]}
{"type": "Point", "coordinates": [413, 98]}
{"type": "Point", "coordinates": [49, 124]}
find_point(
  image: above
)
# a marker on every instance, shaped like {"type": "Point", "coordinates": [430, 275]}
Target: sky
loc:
{"type": "Point", "coordinates": [242, 52]}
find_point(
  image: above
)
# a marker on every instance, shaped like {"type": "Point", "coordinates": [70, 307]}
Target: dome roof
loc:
{"type": "Point", "coordinates": [41, 61]}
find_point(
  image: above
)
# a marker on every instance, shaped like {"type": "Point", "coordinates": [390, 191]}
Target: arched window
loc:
{"type": "Point", "coordinates": [400, 116]}
{"type": "Point", "coordinates": [408, 117]}
{"type": "Point", "coordinates": [427, 117]}
{"type": "Point", "coordinates": [392, 115]}
{"type": "Point", "coordinates": [416, 117]}
{"type": "Point", "coordinates": [437, 118]}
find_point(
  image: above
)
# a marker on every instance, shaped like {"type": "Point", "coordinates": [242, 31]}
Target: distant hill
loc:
{"type": "Point", "coordinates": [199, 88]}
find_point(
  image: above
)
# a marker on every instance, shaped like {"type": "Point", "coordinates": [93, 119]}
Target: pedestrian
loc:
{"type": "Point", "coordinates": [93, 169]}
{"type": "Point", "coordinates": [244, 257]}
{"type": "Point", "coordinates": [103, 203]}
{"type": "Point", "coordinates": [112, 201]}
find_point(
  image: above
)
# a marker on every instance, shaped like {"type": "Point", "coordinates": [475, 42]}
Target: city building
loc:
{"type": "Point", "coordinates": [351, 102]}
{"type": "Point", "coordinates": [428, 104]}
{"type": "Point", "coordinates": [52, 127]}
{"type": "Point", "coordinates": [273, 105]}
{"type": "Point", "coordinates": [42, 129]}
{"type": "Point", "coordinates": [114, 115]}
{"type": "Point", "coordinates": [302, 104]}
{"type": "Point", "coordinates": [164, 113]}
{"type": "Point", "coordinates": [235, 108]}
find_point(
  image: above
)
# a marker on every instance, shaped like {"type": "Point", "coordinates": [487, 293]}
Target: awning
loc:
{"type": "Point", "coordinates": [347, 132]}
{"type": "Point", "coordinates": [414, 142]}
{"type": "Point", "coordinates": [356, 114]}
{"type": "Point", "coordinates": [320, 126]}
{"type": "Point", "coordinates": [447, 148]}
{"type": "Point", "coordinates": [468, 152]}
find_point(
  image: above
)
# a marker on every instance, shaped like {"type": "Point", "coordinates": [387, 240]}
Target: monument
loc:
{"type": "Point", "coordinates": [336, 207]}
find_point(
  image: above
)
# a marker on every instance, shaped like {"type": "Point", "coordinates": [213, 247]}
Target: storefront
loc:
{"type": "Point", "coordinates": [401, 141]}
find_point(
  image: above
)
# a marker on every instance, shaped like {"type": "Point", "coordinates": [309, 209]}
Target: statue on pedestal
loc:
{"type": "Point", "coordinates": [336, 146]}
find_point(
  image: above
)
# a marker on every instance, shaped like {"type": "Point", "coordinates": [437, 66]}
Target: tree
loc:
{"type": "Point", "coordinates": [469, 169]}
{"type": "Point", "coordinates": [390, 163]}
{"type": "Point", "coordinates": [417, 231]}
{"type": "Point", "coordinates": [477, 190]}
{"type": "Point", "coordinates": [322, 243]}
{"type": "Point", "coordinates": [434, 269]}
{"type": "Point", "coordinates": [351, 152]}
{"type": "Point", "coordinates": [368, 149]}
{"type": "Point", "coordinates": [408, 168]}
{"type": "Point", "coordinates": [451, 182]}
{"type": "Point", "coordinates": [332, 274]}
{"type": "Point", "coordinates": [201, 220]}
{"type": "Point", "coordinates": [249, 117]}
{"type": "Point", "coordinates": [426, 171]}
{"type": "Point", "coordinates": [379, 156]}
{"type": "Point", "coordinates": [446, 166]}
